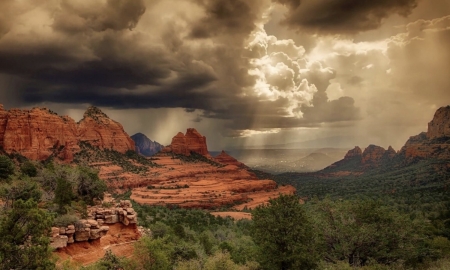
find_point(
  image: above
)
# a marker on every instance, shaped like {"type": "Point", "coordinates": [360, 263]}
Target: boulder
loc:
{"type": "Point", "coordinates": [59, 241]}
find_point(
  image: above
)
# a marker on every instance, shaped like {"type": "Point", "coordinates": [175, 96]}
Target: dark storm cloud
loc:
{"type": "Point", "coordinates": [84, 52]}
{"type": "Point", "coordinates": [225, 17]}
{"type": "Point", "coordinates": [115, 15]}
{"type": "Point", "coordinates": [342, 16]}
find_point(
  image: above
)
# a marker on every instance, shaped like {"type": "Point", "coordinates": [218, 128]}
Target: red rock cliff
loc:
{"type": "Point", "coordinates": [99, 130]}
{"type": "Point", "coordinates": [184, 144]}
{"type": "Point", "coordinates": [36, 133]}
{"type": "Point", "coordinates": [440, 125]}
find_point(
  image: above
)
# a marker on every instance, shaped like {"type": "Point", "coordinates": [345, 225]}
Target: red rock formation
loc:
{"type": "Point", "coordinates": [99, 130]}
{"type": "Point", "coordinates": [226, 159]}
{"type": "Point", "coordinates": [355, 152]}
{"type": "Point", "coordinates": [440, 125]}
{"type": "Point", "coordinates": [373, 154]}
{"type": "Point", "coordinates": [390, 153]}
{"type": "Point", "coordinates": [38, 133]}
{"type": "Point", "coordinates": [192, 141]}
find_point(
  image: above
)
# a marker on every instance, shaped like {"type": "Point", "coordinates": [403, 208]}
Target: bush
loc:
{"type": "Point", "coordinates": [29, 169]}
{"type": "Point", "coordinates": [65, 220]}
{"type": "Point", "coordinates": [6, 167]}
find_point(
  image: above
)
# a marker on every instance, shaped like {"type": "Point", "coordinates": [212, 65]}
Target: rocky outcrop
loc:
{"type": "Point", "coordinates": [356, 160]}
{"type": "Point", "coordinates": [184, 144]}
{"type": "Point", "coordinates": [440, 125]}
{"type": "Point", "coordinates": [95, 226]}
{"type": "Point", "coordinates": [226, 159]}
{"type": "Point", "coordinates": [355, 152]}
{"type": "Point", "coordinates": [372, 154]}
{"type": "Point", "coordinates": [39, 133]}
{"type": "Point", "coordinates": [99, 130]}
{"type": "Point", "coordinates": [145, 146]}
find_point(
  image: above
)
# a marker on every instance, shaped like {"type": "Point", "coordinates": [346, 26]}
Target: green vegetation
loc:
{"type": "Point", "coordinates": [33, 196]}
{"type": "Point", "coordinates": [90, 154]}
{"type": "Point", "coordinates": [419, 187]}
{"type": "Point", "coordinates": [23, 230]}
{"type": "Point", "coordinates": [284, 235]}
{"type": "Point", "coordinates": [6, 167]}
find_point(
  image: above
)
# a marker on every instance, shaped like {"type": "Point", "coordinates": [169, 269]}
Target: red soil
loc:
{"type": "Point", "coordinates": [119, 240]}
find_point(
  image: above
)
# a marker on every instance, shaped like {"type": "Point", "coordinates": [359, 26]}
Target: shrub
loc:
{"type": "Point", "coordinates": [29, 169]}
{"type": "Point", "coordinates": [65, 220]}
{"type": "Point", "coordinates": [6, 167]}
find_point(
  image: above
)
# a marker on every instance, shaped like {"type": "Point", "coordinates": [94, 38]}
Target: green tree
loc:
{"type": "Point", "coordinates": [28, 168]}
{"type": "Point", "coordinates": [6, 167]}
{"type": "Point", "coordinates": [153, 253]}
{"type": "Point", "coordinates": [63, 194]}
{"type": "Point", "coordinates": [24, 242]}
{"type": "Point", "coordinates": [89, 185]}
{"type": "Point", "coordinates": [365, 231]}
{"type": "Point", "coordinates": [284, 235]}
{"type": "Point", "coordinates": [22, 189]}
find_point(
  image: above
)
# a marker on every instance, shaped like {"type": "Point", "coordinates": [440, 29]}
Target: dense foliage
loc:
{"type": "Point", "coordinates": [56, 189]}
{"type": "Point", "coordinates": [284, 234]}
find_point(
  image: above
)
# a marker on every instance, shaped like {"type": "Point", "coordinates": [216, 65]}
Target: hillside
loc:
{"type": "Point", "coordinates": [421, 166]}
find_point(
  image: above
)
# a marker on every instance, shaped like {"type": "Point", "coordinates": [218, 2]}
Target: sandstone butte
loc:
{"type": "Point", "coordinates": [184, 144]}
{"type": "Point", "coordinates": [38, 133]}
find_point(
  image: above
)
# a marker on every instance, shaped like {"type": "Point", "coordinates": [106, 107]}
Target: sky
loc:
{"type": "Point", "coordinates": [244, 73]}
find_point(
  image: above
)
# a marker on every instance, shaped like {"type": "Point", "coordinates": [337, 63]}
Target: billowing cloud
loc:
{"type": "Point", "coordinates": [231, 64]}
{"type": "Point", "coordinates": [342, 16]}
{"type": "Point", "coordinates": [216, 60]}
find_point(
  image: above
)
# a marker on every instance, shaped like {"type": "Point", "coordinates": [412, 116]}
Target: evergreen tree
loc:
{"type": "Point", "coordinates": [6, 167]}
{"type": "Point", "coordinates": [24, 242]}
{"type": "Point", "coordinates": [284, 235]}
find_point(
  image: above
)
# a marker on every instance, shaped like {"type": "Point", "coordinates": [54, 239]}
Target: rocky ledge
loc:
{"type": "Point", "coordinates": [95, 226]}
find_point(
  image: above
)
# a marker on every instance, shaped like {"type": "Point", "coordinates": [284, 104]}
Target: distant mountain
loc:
{"type": "Point", "coordinates": [431, 145]}
{"type": "Point", "coordinates": [420, 168]}
{"type": "Point", "coordinates": [145, 146]}
{"type": "Point", "coordinates": [328, 142]}
{"type": "Point", "coordinates": [315, 161]}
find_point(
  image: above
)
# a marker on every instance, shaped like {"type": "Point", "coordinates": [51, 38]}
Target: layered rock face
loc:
{"type": "Point", "coordinates": [39, 133]}
{"type": "Point", "coordinates": [101, 131]}
{"type": "Point", "coordinates": [440, 125]}
{"type": "Point", "coordinates": [145, 146]}
{"type": "Point", "coordinates": [184, 144]}
{"type": "Point", "coordinates": [226, 159]}
{"type": "Point", "coordinates": [355, 152]}
{"type": "Point", "coordinates": [435, 143]}
{"type": "Point", "coordinates": [95, 227]}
